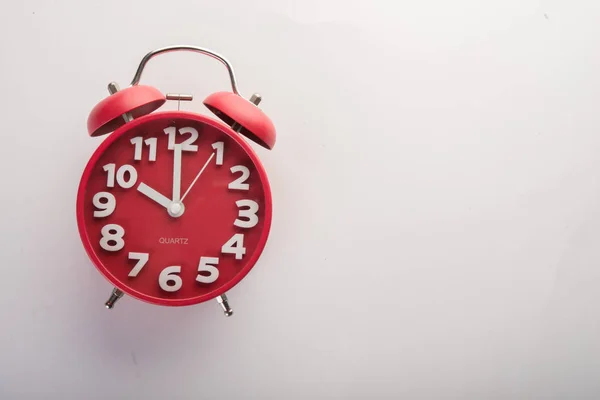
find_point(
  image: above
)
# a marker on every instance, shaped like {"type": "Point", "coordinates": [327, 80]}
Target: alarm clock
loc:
{"type": "Point", "coordinates": [174, 208]}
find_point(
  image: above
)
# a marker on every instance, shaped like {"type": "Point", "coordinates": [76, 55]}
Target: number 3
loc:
{"type": "Point", "coordinates": [250, 218]}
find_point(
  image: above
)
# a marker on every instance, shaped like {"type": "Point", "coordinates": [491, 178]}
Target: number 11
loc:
{"type": "Point", "coordinates": [150, 142]}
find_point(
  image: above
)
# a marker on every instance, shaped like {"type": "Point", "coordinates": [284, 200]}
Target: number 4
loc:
{"type": "Point", "coordinates": [235, 245]}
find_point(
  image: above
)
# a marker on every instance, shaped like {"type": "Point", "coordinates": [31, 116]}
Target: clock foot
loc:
{"type": "Point", "coordinates": [222, 300]}
{"type": "Point", "coordinates": [114, 297]}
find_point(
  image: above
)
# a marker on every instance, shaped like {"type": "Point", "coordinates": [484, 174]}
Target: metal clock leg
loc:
{"type": "Point", "coordinates": [114, 297]}
{"type": "Point", "coordinates": [222, 300]}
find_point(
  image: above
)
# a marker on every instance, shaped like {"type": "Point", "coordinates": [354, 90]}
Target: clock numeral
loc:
{"type": "Point", "coordinates": [249, 214]}
{"type": "Point", "coordinates": [219, 147]}
{"type": "Point", "coordinates": [240, 183]}
{"type": "Point", "coordinates": [105, 203]}
{"type": "Point", "coordinates": [168, 280]}
{"type": "Point", "coordinates": [186, 145]}
{"type": "Point", "coordinates": [150, 142]}
{"type": "Point", "coordinates": [112, 237]}
{"type": "Point", "coordinates": [120, 175]}
{"type": "Point", "coordinates": [208, 265]}
{"type": "Point", "coordinates": [142, 259]}
{"type": "Point", "coordinates": [235, 245]}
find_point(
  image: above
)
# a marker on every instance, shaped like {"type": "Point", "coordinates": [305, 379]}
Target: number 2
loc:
{"type": "Point", "coordinates": [240, 183]}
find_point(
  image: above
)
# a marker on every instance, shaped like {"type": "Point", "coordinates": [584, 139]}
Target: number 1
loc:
{"type": "Point", "coordinates": [218, 146]}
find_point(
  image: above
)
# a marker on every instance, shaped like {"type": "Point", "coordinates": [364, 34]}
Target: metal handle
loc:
{"type": "Point", "coordinates": [147, 57]}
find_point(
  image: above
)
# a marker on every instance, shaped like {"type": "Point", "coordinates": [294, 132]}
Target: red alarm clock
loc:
{"type": "Point", "coordinates": [174, 208]}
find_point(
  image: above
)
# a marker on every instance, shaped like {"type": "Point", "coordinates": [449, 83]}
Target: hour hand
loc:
{"type": "Point", "coordinates": [154, 195]}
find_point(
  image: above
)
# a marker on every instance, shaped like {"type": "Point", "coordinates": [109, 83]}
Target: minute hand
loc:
{"type": "Point", "coordinates": [177, 173]}
{"type": "Point", "coordinates": [198, 176]}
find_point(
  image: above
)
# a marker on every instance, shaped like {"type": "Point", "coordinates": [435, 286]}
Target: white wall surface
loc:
{"type": "Point", "coordinates": [436, 184]}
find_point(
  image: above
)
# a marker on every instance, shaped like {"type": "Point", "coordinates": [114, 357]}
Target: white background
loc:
{"type": "Point", "coordinates": [436, 184]}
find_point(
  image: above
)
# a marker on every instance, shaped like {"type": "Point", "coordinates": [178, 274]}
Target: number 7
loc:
{"type": "Point", "coordinates": [142, 260]}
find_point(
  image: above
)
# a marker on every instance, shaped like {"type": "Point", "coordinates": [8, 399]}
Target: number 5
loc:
{"type": "Point", "coordinates": [208, 264]}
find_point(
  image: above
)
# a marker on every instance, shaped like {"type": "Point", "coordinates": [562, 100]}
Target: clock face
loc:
{"type": "Point", "coordinates": [174, 208]}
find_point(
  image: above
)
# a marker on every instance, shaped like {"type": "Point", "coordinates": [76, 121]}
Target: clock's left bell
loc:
{"type": "Point", "coordinates": [135, 100]}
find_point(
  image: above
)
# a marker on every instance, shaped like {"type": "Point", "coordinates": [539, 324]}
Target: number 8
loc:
{"type": "Point", "coordinates": [112, 233]}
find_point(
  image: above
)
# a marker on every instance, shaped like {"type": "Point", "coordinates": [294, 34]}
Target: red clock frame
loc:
{"type": "Point", "coordinates": [198, 118]}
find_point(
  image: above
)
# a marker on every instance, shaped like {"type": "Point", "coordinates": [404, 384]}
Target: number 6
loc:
{"type": "Point", "coordinates": [169, 275]}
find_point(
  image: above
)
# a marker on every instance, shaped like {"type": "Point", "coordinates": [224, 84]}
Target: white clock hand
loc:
{"type": "Point", "coordinates": [177, 173]}
{"type": "Point", "coordinates": [154, 195]}
{"type": "Point", "coordinates": [198, 176]}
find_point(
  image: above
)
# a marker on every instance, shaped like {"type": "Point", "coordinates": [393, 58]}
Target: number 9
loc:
{"type": "Point", "coordinates": [105, 207]}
